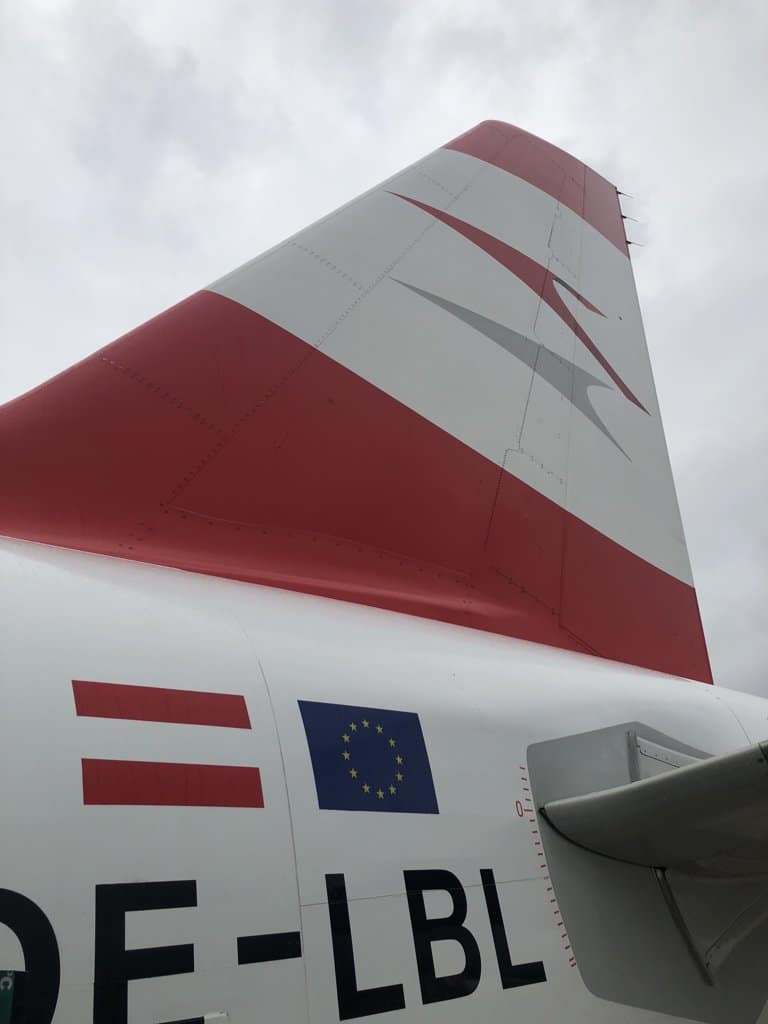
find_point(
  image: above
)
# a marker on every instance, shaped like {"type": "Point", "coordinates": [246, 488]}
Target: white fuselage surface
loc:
{"type": "Point", "coordinates": [292, 911]}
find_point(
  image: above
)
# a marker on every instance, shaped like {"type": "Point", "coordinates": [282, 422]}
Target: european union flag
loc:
{"type": "Point", "coordinates": [368, 759]}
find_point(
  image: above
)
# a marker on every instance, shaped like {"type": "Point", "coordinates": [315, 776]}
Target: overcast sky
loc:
{"type": "Point", "coordinates": [148, 148]}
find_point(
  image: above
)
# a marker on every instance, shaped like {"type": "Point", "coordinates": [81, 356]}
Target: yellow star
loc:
{"type": "Point", "coordinates": [392, 790]}
{"type": "Point", "coordinates": [366, 723]}
{"type": "Point", "coordinates": [379, 729]}
{"type": "Point", "coordinates": [398, 759]}
{"type": "Point", "coordinates": [392, 743]}
{"type": "Point", "coordinates": [345, 737]}
{"type": "Point", "coordinates": [380, 794]}
{"type": "Point", "coordinates": [366, 788]}
{"type": "Point", "coordinates": [346, 755]}
{"type": "Point", "coordinates": [353, 772]}
{"type": "Point", "coordinates": [399, 776]}
{"type": "Point", "coordinates": [353, 726]}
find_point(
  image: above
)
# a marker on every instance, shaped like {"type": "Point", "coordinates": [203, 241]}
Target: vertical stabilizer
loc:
{"type": "Point", "coordinates": [436, 400]}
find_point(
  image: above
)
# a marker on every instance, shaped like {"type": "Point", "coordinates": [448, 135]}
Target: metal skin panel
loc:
{"type": "Point", "coordinates": [481, 700]}
{"type": "Point", "coordinates": [751, 712]}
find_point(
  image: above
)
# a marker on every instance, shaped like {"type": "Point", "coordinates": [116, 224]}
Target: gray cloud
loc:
{"type": "Point", "coordinates": [149, 148]}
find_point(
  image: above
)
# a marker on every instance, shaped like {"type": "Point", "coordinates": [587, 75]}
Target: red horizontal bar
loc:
{"type": "Point", "coordinates": [163, 784]}
{"type": "Point", "coordinates": [156, 704]}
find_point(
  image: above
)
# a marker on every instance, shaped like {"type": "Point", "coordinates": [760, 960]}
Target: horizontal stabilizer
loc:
{"type": "Point", "coordinates": [713, 808]}
{"type": "Point", "coordinates": [658, 856]}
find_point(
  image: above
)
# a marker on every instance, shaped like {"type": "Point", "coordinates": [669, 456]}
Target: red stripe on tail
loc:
{"type": "Point", "coordinates": [368, 501]}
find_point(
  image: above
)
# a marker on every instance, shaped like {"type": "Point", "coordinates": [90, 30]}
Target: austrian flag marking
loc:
{"type": "Point", "coordinates": [114, 782]}
{"type": "Point", "coordinates": [159, 704]}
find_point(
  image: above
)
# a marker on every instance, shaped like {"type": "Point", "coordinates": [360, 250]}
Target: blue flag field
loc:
{"type": "Point", "coordinates": [368, 759]}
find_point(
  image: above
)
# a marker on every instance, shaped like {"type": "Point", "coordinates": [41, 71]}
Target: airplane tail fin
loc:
{"type": "Point", "coordinates": [436, 400]}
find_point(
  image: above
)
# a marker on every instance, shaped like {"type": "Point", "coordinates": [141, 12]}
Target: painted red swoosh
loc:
{"type": "Point", "coordinates": [538, 278]}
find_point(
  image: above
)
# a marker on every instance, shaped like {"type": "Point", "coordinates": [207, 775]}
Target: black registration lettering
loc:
{"type": "Point", "coordinates": [353, 1002]}
{"type": "Point", "coordinates": [114, 965]}
{"type": "Point", "coordinates": [512, 975]}
{"type": "Point", "coordinates": [42, 970]}
{"type": "Point", "coordinates": [427, 931]}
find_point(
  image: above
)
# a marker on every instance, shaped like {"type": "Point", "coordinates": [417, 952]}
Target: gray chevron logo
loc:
{"type": "Point", "coordinates": [571, 381]}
